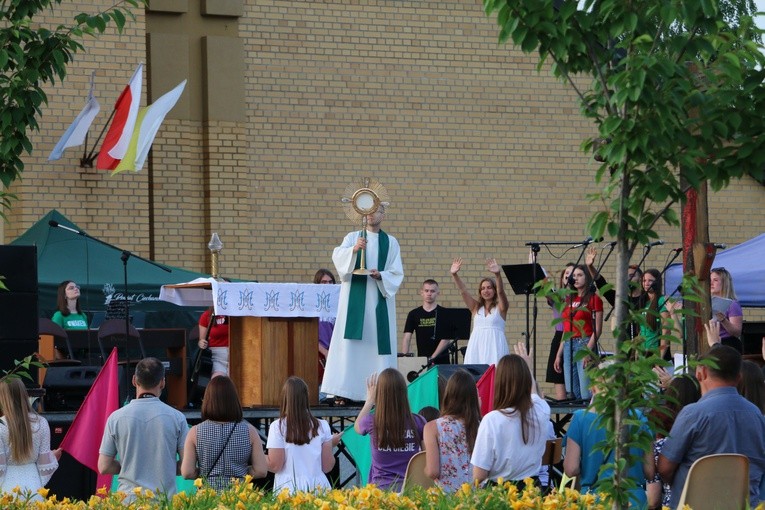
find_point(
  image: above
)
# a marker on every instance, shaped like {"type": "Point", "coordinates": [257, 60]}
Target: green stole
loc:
{"type": "Point", "coordinates": [354, 321]}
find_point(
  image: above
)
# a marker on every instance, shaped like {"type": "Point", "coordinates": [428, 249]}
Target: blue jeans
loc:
{"type": "Point", "coordinates": [579, 384]}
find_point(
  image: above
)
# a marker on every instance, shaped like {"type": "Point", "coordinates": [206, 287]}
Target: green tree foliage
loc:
{"type": "Point", "coordinates": [671, 87]}
{"type": "Point", "coordinates": [32, 57]}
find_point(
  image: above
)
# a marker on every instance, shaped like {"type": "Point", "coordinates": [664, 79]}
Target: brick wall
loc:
{"type": "Point", "coordinates": [478, 151]}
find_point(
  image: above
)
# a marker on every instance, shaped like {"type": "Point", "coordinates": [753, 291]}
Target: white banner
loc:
{"type": "Point", "coordinates": [257, 299]}
{"type": "Point", "coordinates": [276, 299]}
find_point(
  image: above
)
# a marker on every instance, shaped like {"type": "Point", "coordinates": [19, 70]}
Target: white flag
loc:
{"type": "Point", "coordinates": [78, 130]}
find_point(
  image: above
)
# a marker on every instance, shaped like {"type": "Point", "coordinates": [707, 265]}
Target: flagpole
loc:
{"type": "Point", "coordinates": [87, 161]}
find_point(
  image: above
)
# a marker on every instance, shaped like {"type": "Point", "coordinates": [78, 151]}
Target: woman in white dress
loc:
{"type": "Point", "coordinates": [26, 460]}
{"type": "Point", "coordinates": [487, 342]}
{"type": "Point", "coordinates": [299, 444]}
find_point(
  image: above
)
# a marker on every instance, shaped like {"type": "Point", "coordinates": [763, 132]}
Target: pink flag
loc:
{"type": "Point", "coordinates": [125, 113]}
{"type": "Point", "coordinates": [83, 439]}
{"type": "Point", "coordinates": [485, 387]}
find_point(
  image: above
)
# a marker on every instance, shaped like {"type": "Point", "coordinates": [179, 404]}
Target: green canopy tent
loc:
{"type": "Point", "coordinates": [98, 269]}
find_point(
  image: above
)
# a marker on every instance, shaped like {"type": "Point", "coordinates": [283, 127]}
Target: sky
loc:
{"type": "Point", "coordinates": [760, 20]}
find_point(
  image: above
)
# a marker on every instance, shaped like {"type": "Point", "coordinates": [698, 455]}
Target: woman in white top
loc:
{"type": "Point", "coordinates": [487, 342]}
{"type": "Point", "coordinates": [26, 460]}
{"type": "Point", "coordinates": [299, 445]}
{"type": "Point", "coordinates": [512, 438]}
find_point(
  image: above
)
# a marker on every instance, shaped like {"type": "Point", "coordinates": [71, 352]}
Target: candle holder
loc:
{"type": "Point", "coordinates": [215, 245]}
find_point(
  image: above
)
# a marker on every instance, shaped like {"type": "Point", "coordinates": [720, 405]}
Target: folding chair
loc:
{"type": "Point", "coordinates": [552, 456]}
{"type": "Point", "coordinates": [112, 334]}
{"type": "Point", "coordinates": [48, 327]}
{"type": "Point", "coordinates": [717, 481]}
{"type": "Point", "coordinates": [415, 473]}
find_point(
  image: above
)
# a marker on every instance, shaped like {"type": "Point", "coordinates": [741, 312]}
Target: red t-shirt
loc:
{"type": "Point", "coordinates": [583, 320]}
{"type": "Point", "coordinates": [219, 330]}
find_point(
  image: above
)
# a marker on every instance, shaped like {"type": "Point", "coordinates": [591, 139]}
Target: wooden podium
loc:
{"type": "Point", "coordinates": [265, 351]}
{"type": "Point", "coordinates": [273, 339]}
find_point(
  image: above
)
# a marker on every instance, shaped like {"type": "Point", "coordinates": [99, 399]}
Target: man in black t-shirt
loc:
{"type": "Point", "coordinates": [422, 321]}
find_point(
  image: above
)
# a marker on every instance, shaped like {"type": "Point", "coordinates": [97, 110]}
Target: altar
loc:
{"type": "Point", "coordinates": [273, 331]}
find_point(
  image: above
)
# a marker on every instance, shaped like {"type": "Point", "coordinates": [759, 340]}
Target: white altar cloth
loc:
{"type": "Point", "coordinates": [256, 299]}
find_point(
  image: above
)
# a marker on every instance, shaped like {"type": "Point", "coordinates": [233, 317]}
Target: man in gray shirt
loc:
{"type": "Point", "coordinates": [722, 421]}
{"type": "Point", "coordinates": [147, 434]}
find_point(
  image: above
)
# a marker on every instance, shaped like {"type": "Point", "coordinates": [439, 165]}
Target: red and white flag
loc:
{"type": "Point", "coordinates": [149, 120]}
{"type": "Point", "coordinates": [118, 137]}
{"type": "Point", "coordinates": [83, 439]}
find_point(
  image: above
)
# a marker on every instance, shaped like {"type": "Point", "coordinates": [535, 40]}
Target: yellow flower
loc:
{"type": "Point", "coordinates": [283, 496]}
{"type": "Point", "coordinates": [149, 494]}
{"type": "Point", "coordinates": [198, 483]}
{"type": "Point", "coordinates": [137, 491]}
{"type": "Point", "coordinates": [42, 491]}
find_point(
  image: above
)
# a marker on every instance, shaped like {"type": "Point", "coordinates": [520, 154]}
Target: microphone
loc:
{"type": "Point", "coordinates": [654, 243]}
{"type": "Point", "coordinates": [720, 246]}
{"type": "Point", "coordinates": [588, 241]}
{"type": "Point", "coordinates": [678, 250]}
{"type": "Point", "coordinates": [56, 224]}
{"type": "Point", "coordinates": [611, 244]}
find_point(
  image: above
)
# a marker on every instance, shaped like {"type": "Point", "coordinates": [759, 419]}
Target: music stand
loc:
{"type": "Point", "coordinates": [453, 324]}
{"type": "Point", "coordinates": [522, 278]}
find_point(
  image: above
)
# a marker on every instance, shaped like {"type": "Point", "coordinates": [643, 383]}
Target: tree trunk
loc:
{"type": "Point", "coordinates": [698, 255]}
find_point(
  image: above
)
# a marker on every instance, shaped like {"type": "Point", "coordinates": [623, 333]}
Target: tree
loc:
{"type": "Point", "coordinates": [674, 87]}
{"type": "Point", "coordinates": [32, 57]}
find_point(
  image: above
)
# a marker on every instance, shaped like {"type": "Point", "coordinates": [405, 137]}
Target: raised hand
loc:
{"type": "Point", "coordinates": [664, 376]}
{"type": "Point", "coordinates": [492, 266]}
{"type": "Point", "coordinates": [713, 332]}
{"type": "Point", "coordinates": [589, 255]}
{"type": "Point", "coordinates": [520, 350]}
{"type": "Point", "coordinates": [456, 265]}
{"type": "Point", "coordinates": [371, 388]}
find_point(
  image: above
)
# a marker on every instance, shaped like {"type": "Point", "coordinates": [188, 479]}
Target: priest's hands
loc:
{"type": "Point", "coordinates": [361, 244]}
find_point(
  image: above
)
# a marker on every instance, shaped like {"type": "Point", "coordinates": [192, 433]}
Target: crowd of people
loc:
{"type": "Point", "coordinates": [146, 443]}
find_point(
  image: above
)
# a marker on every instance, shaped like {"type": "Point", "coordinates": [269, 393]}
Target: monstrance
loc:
{"type": "Point", "coordinates": [360, 202]}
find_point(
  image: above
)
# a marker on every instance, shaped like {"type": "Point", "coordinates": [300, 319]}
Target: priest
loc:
{"type": "Point", "coordinates": [364, 338]}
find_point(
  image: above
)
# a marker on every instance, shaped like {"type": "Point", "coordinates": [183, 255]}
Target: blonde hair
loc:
{"type": "Point", "coordinates": [14, 403]}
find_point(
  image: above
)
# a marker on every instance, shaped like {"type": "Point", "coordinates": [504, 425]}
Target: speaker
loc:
{"type": "Point", "coordinates": [751, 335]}
{"type": "Point", "coordinates": [66, 387]}
{"type": "Point", "coordinates": [11, 350]}
{"type": "Point", "coordinates": [71, 479]}
{"type": "Point", "coordinates": [18, 306]}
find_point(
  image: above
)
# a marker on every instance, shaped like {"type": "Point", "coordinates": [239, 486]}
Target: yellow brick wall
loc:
{"type": "Point", "coordinates": [478, 151]}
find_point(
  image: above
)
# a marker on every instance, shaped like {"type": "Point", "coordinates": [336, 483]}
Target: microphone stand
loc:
{"type": "Point", "coordinates": [584, 246]}
{"type": "Point", "coordinates": [677, 289]}
{"type": "Point", "coordinates": [534, 252]}
{"type": "Point", "coordinates": [124, 257]}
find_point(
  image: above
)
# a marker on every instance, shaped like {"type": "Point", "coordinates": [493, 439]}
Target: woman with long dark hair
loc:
{"type": "Point", "coordinates": [395, 431]}
{"type": "Point", "coordinates": [299, 444]}
{"type": "Point", "coordinates": [224, 445]}
{"type": "Point", "coordinates": [26, 460]}
{"type": "Point", "coordinates": [659, 318]}
{"type": "Point", "coordinates": [68, 313]}
{"type": "Point", "coordinates": [512, 438]}
{"type": "Point", "coordinates": [583, 318]}
{"type": "Point", "coordinates": [556, 378]}
{"type": "Point", "coordinates": [449, 439]}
